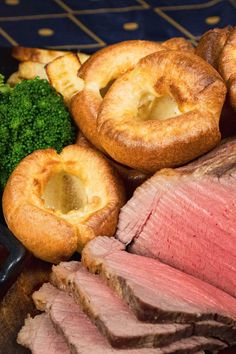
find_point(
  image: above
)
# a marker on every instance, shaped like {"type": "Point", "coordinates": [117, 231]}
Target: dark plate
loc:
{"type": "Point", "coordinates": [12, 253]}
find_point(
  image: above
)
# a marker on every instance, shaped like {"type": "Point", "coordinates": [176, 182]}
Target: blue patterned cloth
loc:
{"type": "Point", "coordinates": [88, 25]}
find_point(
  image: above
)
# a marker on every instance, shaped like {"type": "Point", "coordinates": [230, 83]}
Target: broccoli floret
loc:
{"type": "Point", "coordinates": [32, 116]}
{"type": "Point", "coordinates": [4, 88]}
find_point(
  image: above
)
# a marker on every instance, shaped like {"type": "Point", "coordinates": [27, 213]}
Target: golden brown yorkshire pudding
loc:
{"type": "Point", "coordinates": [54, 204]}
{"type": "Point", "coordinates": [98, 73]}
{"type": "Point", "coordinates": [163, 113]}
{"type": "Point", "coordinates": [132, 178]}
{"type": "Point", "coordinates": [218, 47]}
{"type": "Point", "coordinates": [178, 43]}
{"type": "Point", "coordinates": [212, 43]}
{"type": "Point", "coordinates": [227, 66]}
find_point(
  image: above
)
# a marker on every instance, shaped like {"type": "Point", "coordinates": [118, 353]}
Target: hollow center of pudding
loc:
{"type": "Point", "coordinates": [64, 192]}
{"type": "Point", "coordinates": [157, 108]}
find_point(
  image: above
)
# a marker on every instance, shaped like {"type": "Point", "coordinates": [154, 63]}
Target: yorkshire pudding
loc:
{"type": "Point", "coordinates": [132, 178]}
{"type": "Point", "coordinates": [212, 43]}
{"type": "Point", "coordinates": [54, 204]}
{"type": "Point", "coordinates": [227, 66]}
{"type": "Point", "coordinates": [163, 113]}
{"type": "Point", "coordinates": [218, 47]}
{"type": "Point", "coordinates": [98, 73]}
{"type": "Point", "coordinates": [178, 43]}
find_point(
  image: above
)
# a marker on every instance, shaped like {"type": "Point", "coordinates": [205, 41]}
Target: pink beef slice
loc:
{"type": "Point", "coordinates": [109, 316]}
{"type": "Point", "coordinates": [83, 337]}
{"type": "Point", "coordinates": [109, 312]}
{"type": "Point", "coordinates": [155, 291]}
{"type": "Point", "coordinates": [39, 335]}
{"type": "Point", "coordinates": [186, 217]}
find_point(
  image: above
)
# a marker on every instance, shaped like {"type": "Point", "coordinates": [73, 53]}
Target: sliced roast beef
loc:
{"type": "Point", "coordinates": [39, 335]}
{"type": "Point", "coordinates": [186, 217]}
{"type": "Point", "coordinates": [155, 291]}
{"type": "Point", "coordinates": [83, 337]}
{"type": "Point", "coordinates": [90, 291]}
{"type": "Point", "coordinates": [109, 312]}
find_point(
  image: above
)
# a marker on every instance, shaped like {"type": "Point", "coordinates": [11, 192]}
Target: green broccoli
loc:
{"type": "Point", "coordinates": [32, 116]}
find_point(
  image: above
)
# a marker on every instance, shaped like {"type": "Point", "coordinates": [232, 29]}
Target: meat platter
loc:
{"type": "Point", "coordinates": [211, 309]}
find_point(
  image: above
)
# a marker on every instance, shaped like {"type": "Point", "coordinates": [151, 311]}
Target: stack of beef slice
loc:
{"type": "Point", "coordinates": [175, 293]}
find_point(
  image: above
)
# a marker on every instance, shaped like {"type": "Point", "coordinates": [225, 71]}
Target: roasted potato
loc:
{"type": "Point", "coordinates": [62, 73]}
